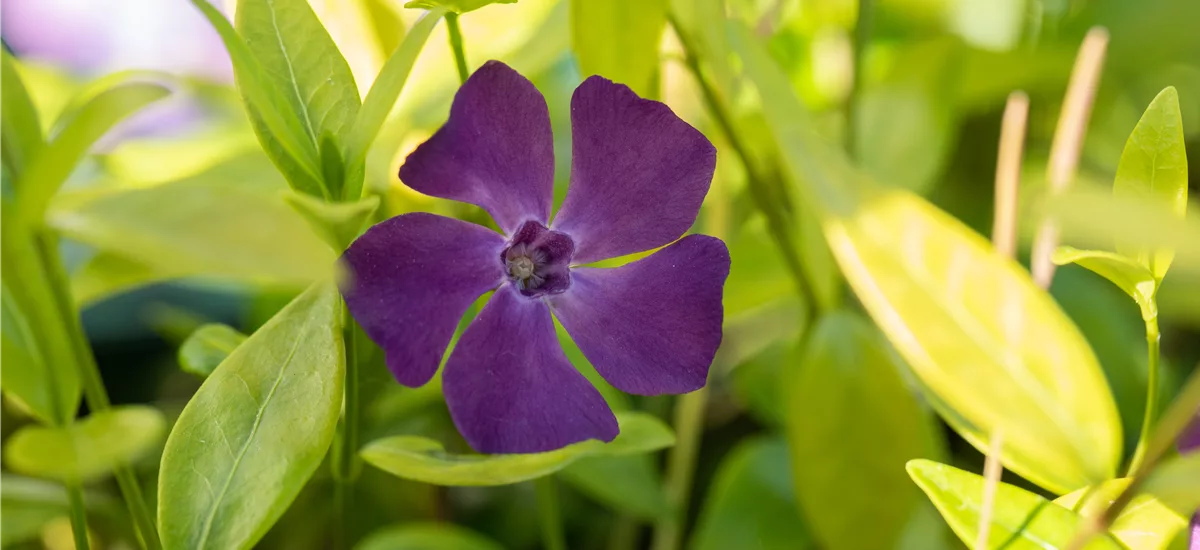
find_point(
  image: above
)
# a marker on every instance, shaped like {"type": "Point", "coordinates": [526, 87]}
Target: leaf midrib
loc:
{"type": "Point", "coordinates": [287, 59]}
{"type": "Point", "coordinates": [208, 522]}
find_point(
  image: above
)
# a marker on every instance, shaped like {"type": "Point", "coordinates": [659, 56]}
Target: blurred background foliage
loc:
{"type": "Point", "coordinates": [176, 222]}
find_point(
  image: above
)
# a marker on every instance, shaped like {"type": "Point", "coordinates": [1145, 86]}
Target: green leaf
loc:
{"type": "Point", "coordinates": [992, 350]}
{"type": "Point", "coordinates": [1135, 279]}
{"type": "Point", "coordinates": [79, 129]}
{"type": "Point", "coordinates": [300, 59]}
{"type": "Point", "coordinates": [1020, 519]}
{"type": "Point", "coordinates": [1176, 483]}
{"type": "Point", "coordinates": [207, 347]}
{"type": "Point", "coordinates": [1145, 524]}
{"type": "Point", "coordinates": [1154, 166]}
{"type": "Point", "coordinates": [108, 273]}
{"type": "Point", "coordinates": [29, 504]}
{"type": "Point", "coordinates": [280, 130]}
{"type": "Point", "coordinates": [383, 94]}
{"type": "Point", "coordinates": [423, 459]}
{"type": "Point", "coordinates": [256, 430]}
{"type": "Point", "coordinates": [86, 450]}
{"type": "Point", "coordinates": [456, 6]}
{"type": "Point", "coordinates": [852, 423]}
{"type": "Point", "coordinates": [427, 536]}
{"type": "Point", "coordinates": [619, 40]}
{"type": "Point", "coordinates": [627, 484]}
{"type": "Point", "coordinates": [337, 223]}
{"type": "Point", "coordinates": [750, 503]}
{"type": "Point", "coordinates": [22, 132]}
{"type": "Point", "coordinates": [206, 226]}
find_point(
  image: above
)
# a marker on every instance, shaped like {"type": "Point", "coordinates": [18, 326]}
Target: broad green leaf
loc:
{"type": "Point", "coordinates": [1021, 520]}
{"type": "Point", "coordinates": [619, 40]}
{"type": "Point", "coordinates": [427, 536]}
{"type": "Point", "coordinates": [207, 347]}
{"type": "Point", "coordinates": [80, 128]}
{"type": "Point", "coordinates": [108, 273]}
{"type": "Point", "coordinates": [1145, 524]}
{"type": "Point", "coordinates": [1154, 165]}
{"type": "Point", "coordinates": [456, 6]}
{"type": "Point", "coordinates": [22, 132]}
{"type": "Point", "coordinates": [259, 426]}
{"type": "Point", "coordinates": [382, 97]}
{"type": "Point", "coordinates": [337, 223]}
{"type": "Point", "coordinates": [205, 226]}
{"type": "Point", "coordinates": [628, 484]}
{"type": "Point", "coordinates": [300, 59]}
{"type": "Point", "coordinates": [423, 459]}
{"type": "Point", "coordinates": [1135, 279]}
{"type": "Point", "coordinates": [750, 503]}
{"type": "Point", "coordinates": [992, 350]}
{"type": "Point", "coordinates": [1176, 483]}
{"type": "Point", "coordinates": [280, 130]}
{"type": "Point", "coordinates": [88, 449]}
{"type": "Point", "coordinates": [852, 424]}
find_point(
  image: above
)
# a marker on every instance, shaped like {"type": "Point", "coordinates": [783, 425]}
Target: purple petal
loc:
{"type": "Point", "coordinates": [650, 326]}
{"type": "Point", "coordinates": [638, 173]}
{"type": "Point", "coordinates": [1189, 440]}
{"type": "Point", "coordinates": [1195, 532]}
{"type": "Point", "coordinates": [496, 150]}
{"type": "Point", "coordinates": [510, 388]}
{"type": "Point", "coordinates": [413, 277]}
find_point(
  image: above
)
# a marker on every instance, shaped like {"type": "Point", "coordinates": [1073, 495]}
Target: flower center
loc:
{"type": "Point", "coordinates": [538, 260]}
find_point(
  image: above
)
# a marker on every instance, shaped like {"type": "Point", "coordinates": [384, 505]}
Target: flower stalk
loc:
{"type": "Point", "coordinates": [549, 514]}
{"type": "Point", "coordinates": [78, 516]}
{"type": "Point", "coordinates": [1152, 341]}
{"type": "Point", "coordinates": [456, 44]}
{"type": "Point", "coordinates": [345, 463]}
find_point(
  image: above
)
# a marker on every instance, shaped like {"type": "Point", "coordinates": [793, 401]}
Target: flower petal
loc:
{"type": "Point", "coordinates": [510, 388]}
{"type": "Point", "coordinates": [651, 326]}
{"type": "Point", "coordinates": [413, 277]}
{"type": "Point", "coordinates": [638, 173]}
{"type": "Point", "coordinates": [496, 150]}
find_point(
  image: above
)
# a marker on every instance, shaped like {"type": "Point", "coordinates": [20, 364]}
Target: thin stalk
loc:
{"type": "Point", "coordinates": [94, 392]}
{"type": "Point", "coordinates": [862, 39]}
{"type": "Point", "coordinates": [346, 457]}
{"type": "Point", "coordinates": [1008, 174]}
{"type": "Point", "coordinates": [992, 470]}
{"type": "Point", "coordinates": [1152, 341]}
{"type": "Point", "coordinates": [78, 516]}
{"type": "Point", "coordinates": [681, 465]}
{"type": "Point", "coordinates": [549, 514]}
{"type": "Point", "coordinates": [456, 44]}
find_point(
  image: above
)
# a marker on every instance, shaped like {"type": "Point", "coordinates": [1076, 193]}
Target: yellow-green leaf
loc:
{"type": "Point", "coordinates": [337, 223]}
{"type": "Point", "coordinates": [427, 536]}
{"type": "Point", "coordinates": [1135, 279]}
{"type": "Point", "coordinates": [619, 40]}
{"type": "Point", "coordinates": [207, 347]}
{"type": "Point", "coordinates": [1176, 483]}
{"type": "Point", "coordinates": [22, 132]}
{"type": "Point", "coordinates": [456, 6]}
{"type": "Point", "coordinates": [1145, 524]}
{"type": "Point", "coordinates": [88, 449]}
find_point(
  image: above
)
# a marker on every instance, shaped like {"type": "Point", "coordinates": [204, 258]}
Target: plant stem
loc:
{"type": "Point", "coordinates": [346, 455]}
{"type": "Point", "coordinates": [862, 39]}
{"type": "Point", "coordinates": [681, 464]}
{"type": "Point", "coordinates": [78, 515]}
{"type": "Point", "coordinates": [549, 515]}
{"type": "Point", "coordinates": [1152, 341]}
{"type": "Point", "coordinates": [456, 44]}
{"type": "Point", "coordinates": [93, 384]}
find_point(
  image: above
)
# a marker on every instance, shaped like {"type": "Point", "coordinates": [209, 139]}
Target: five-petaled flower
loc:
{"type": "Point", "coordinates": [652, 326]}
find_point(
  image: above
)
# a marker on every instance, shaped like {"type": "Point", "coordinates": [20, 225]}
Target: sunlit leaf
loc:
{"type": "Point", "coordinates": [619, 40]}
{"type": "Point", "coordinates": [993, 351]}
{"type": "Point", "coordinates": [852, 424]}
{"type": "Point", "coordinates": [88, 449]}
{"type": "Point", "coordinates": [1145, 524]}
{"type": "Point", "coordinates": [207, 347]}
{"type": "Point", "coordinates": [1135, 279]}
{"type": "Point", "coordinates": [423, 459]}
{"type": "Point", "coordinates": [628, 484]}
{"type": "Point", "coordinates": [382, 97]}
{"type": "Point", "coordinates": [337, 223]}
{"type": "Point", "coordinates": [80, 128]}
{"type": "Point", "coordinates": [1176, 483]}
{"type": "Point", "coordinates": [259, 426]}
{"type": "Point", "coordinates": [750, 503]}
{"type": "Point", "coordinates": [427, 536]}
{"type": "Point", "coordinates": [1154, 165]}
{"type": "Point", "coordinates": [22, 132]}
{"type": "Point", "coordinates": [1021, 520]}
{"type": "Point", "coordinates": [456, 6]}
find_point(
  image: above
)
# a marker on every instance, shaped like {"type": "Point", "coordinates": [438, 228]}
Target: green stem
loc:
{"type": "Point", "coordinates": [456, 44]}
{"type": "Point", "coordinates": [1152, 341]}
{"type": "Point", "coordinates": [862, 40]}
{"type": "Point", "coordinates": [78, 515]}
{"type": "Point", "coordinates": [681, 465]}
{"type": "Point", "coordinates": [93, 385]}
{"type": "Point", "coordinates": [549, 514]}
{"type": "Point", "coordinates": [346, 455]}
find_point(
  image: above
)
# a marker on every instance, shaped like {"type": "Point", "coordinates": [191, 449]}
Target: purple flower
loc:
{"type": "Point", "coordinates": [638, 176]}
{"type": "Point", "coordinates": [1189, 442]}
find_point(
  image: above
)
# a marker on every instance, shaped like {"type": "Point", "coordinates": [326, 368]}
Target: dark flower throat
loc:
{"type": "Point", "coordinates": [538, 260]}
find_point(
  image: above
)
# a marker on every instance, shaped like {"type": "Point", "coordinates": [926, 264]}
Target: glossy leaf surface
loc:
{"type": "Point", "coordinates": [1145, 524]}
{"type": "Point", "coordinates": [207, 347]}
{"type": "Point", "coordinates": [88, 449]}
{"type": "Point", "coordinates": [1135, 279]}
